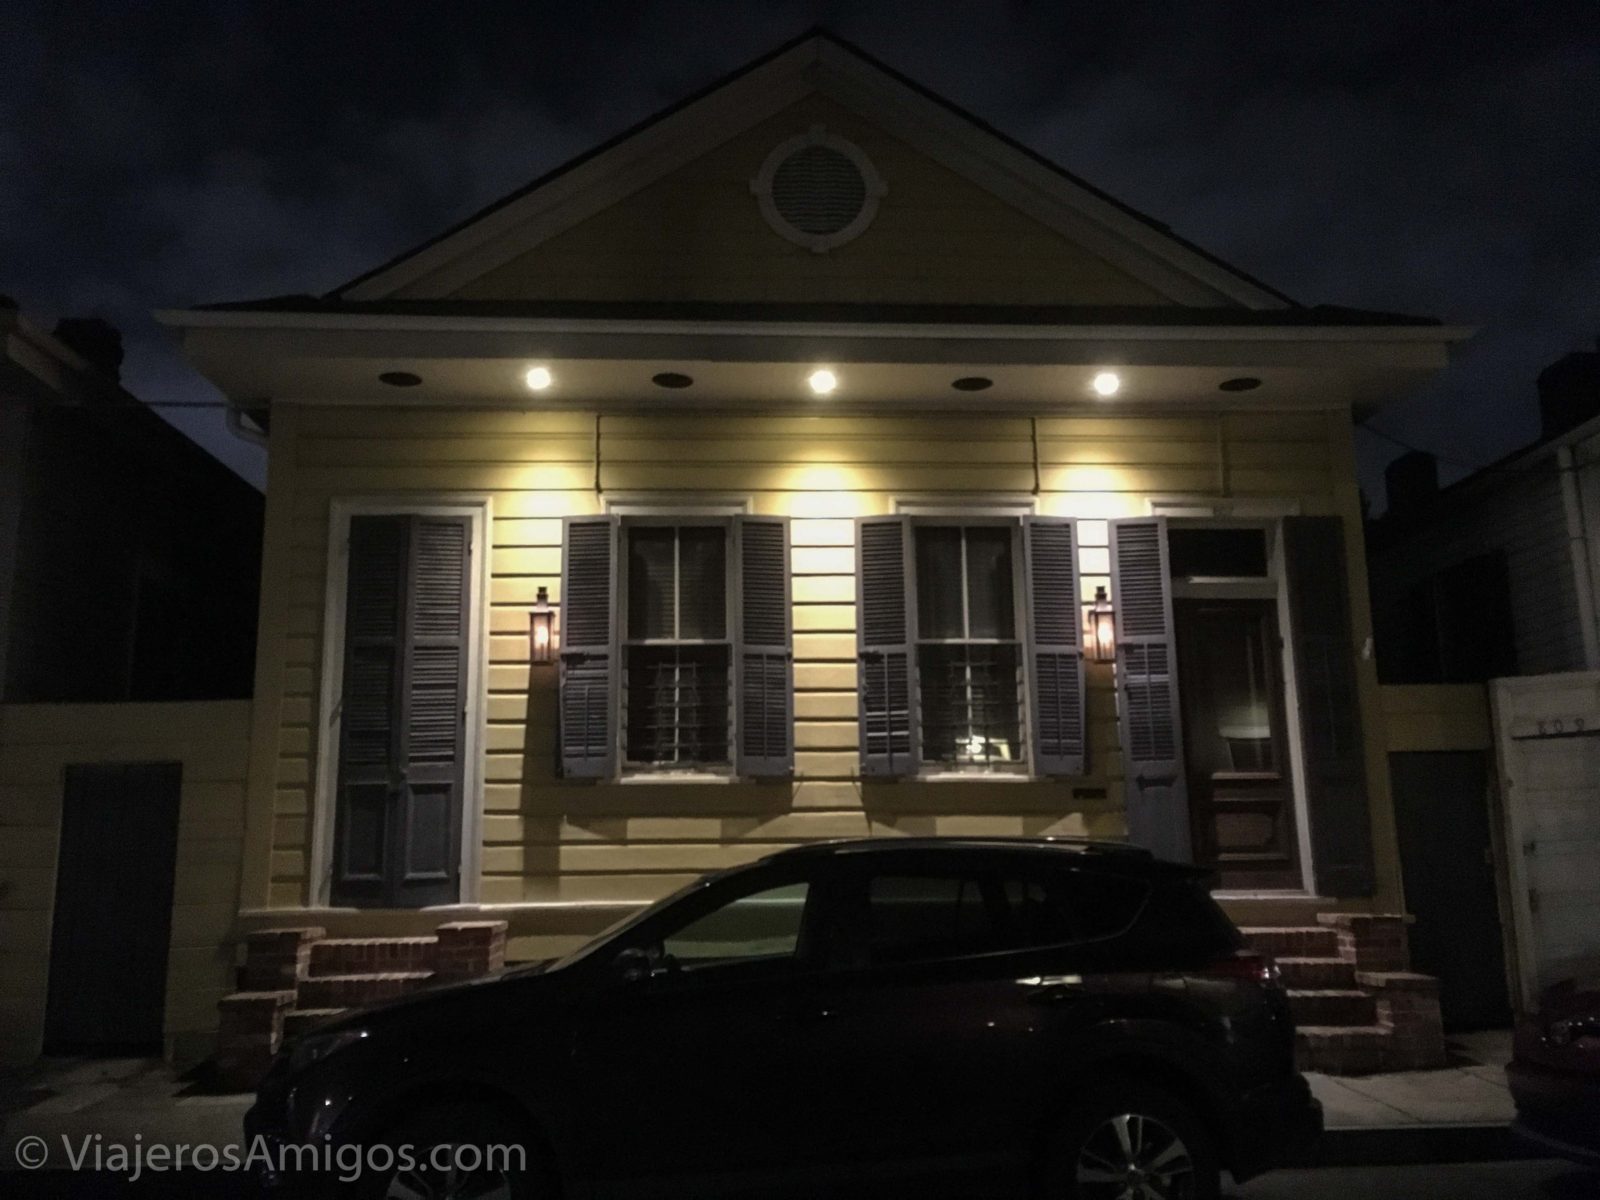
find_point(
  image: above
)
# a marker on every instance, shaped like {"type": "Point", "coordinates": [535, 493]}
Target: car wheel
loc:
{"type": "Point", "coordinates": [1133, 1141]}
{"type": "Point", "coordinates": [455, 1154]}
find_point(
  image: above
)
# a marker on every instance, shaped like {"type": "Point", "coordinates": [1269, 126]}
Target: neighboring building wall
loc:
{"type": "Point", "coordinates": [37, 743]}
{"type": "Point", "coordinates": [1431, 717]}
{"type": "Point", "coordinates": [547, 840]}
{"type": "Point", "coordinates": [136, 562]}
{"type": "Point", "coordinates": [1519, 514]}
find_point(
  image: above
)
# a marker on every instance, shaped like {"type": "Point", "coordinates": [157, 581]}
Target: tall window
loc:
{"type": "Point", "coordinates": [968, 650]}
{"type": "Point", "coordinates": [677, 649]}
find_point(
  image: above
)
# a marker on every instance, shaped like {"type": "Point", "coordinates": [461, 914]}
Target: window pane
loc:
{"type": "Point", "coordinates": [990, 612]}
{"type": "Point", "coordinates": [971, 704]}
{"type": "Point", "coordinates": [677, 705]}
{"type": "Point", "coordinates": [1233, 707]}
{"type": "Point", "coordinates": [939, 582]}
{"type": "Point", "coordinates": [1055, 907]}
{"type": "Point", "coordinates": [761, 925]}
{"type": "Point", "coordinates": [1216, 553]}
{"type": "Point", "coordinates": [702, 582]}
{"type": "Point", "coordinates": [650, 584]}
{"type": "Point", "coordinates": [927, 916]}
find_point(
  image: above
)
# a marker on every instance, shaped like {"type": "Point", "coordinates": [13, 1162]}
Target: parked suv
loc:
{"type": "Point", "coordinates": [953, 1017]}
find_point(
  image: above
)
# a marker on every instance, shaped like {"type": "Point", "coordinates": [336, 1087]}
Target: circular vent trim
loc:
{"type": "Point", "coordinates": [818, 190]}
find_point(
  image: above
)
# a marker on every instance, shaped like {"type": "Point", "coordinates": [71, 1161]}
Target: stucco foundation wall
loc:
{"type": "Point", "coordinates": [547, 841]}
{"type": "Point", "coordinates": [37, 744]}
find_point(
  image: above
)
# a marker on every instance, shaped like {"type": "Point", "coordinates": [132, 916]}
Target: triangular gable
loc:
{"type": "Point", "coordinates": [665, 212]}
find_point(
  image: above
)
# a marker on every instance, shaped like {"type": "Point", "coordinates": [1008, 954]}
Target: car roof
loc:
{"type": "Point", "coordinates": [1121, 852]}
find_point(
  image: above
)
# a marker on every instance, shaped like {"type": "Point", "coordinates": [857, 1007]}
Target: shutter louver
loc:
{"type": "Point", "coordinates": [764, 653]}
{"type": "Point", "coordinates": [885, 609]}
{"type": "Point", "coordinates": [1155, 790]}
{"type": "Point", "coordinates": [1329, 702]}
{"type": "Point", "coordinates": [588, 674]}
{"type": "Point", "coordinates": [1055, 652]}
{"type": "Point", "coordinates": [435, 718]}
{"type": "Point", "coordinates": [403, 712]}
{"type": "Point", "coordinates": [369, 708]}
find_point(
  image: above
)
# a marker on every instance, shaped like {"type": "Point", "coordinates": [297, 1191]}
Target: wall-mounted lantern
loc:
{"type": "Point", "coordinates": [541, 641]}
{"type": "Point", "coordinates": [1102, 628]}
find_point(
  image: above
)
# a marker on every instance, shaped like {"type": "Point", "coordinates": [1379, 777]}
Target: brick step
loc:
{"type": "Point", "coordinates": [299, 1021]}
{"type": "Point", "coordinates": [349, 991]}
{"type": "Point", "coordinates": [1310, 974]}
{"type": "Point", "coordinates": [1342, 1050]}
{"type": "Point", "coordinates": [1307, 941]}
{"type": "Point", "coordinates": [372, 956]}
{"type": "Point", "coordinates": [1332, 1006]}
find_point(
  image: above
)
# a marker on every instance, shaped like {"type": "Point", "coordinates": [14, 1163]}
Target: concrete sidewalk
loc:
{"type": "Point", "coordinates": [1471, 1090]}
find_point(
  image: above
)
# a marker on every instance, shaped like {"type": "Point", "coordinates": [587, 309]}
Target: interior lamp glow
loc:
{"type": "Point", "coordinates": [541, 628]}
{"type": "Point", "coordinates": [1102, 628]}
{"type": "Point", "coordinates": [823, 381]}
{"type": "Point", "coordinates": [538, 378]}
{"type": "Point", "coordinates": [1106, 383]}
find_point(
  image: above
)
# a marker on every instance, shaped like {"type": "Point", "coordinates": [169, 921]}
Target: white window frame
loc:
{"type": "Point", "coordinates": [1008, 517]}
{"type": "Point", "coordinates": [626, 769]}
{"type": "Point", "coordinates": [479, 510]}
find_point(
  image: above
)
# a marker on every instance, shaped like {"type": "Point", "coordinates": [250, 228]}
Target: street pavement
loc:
{"type": "Point", "coordinates": [1525, 1180]}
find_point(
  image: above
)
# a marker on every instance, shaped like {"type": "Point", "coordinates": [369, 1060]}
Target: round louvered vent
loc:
{"type": "Point", "coordinates": [818, 190]}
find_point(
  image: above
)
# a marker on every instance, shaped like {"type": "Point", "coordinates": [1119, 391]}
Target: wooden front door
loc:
{"type": "Point", "coordinates": [1241, 799]}
{"type": "Point", "coordinates": [113, 910]}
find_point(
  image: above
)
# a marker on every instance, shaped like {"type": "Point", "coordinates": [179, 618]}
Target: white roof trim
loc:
{"type": "Point", "coordinates": [817, 65]}
{"type": "Point", "coordinates": [245, 319]}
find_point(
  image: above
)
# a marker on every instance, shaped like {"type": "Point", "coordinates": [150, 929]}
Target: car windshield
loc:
{"type": "Point", "coordinates": [618, 928]}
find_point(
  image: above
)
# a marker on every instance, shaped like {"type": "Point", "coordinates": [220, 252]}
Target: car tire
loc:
{"type": "Point", "coordinates": [1132, 1138]}
{"type": "Point", "coordinates": [479, 1126]}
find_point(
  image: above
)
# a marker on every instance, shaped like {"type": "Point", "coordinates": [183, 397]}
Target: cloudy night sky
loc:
{"type": "Point", "coordinates": [1433, 159]}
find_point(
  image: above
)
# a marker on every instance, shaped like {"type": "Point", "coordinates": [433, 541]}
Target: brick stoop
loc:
{"type": "Point", "coordinates": [295, 979]}
{"type": "Point", "coordinates": [1358, 1008]}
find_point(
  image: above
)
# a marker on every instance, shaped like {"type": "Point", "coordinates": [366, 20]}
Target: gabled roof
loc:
{"type": "Point", "coordinates": [816, 62]}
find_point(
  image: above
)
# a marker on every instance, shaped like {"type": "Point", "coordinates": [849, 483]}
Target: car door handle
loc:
{"type": "Point", "coordinates": [1051, 989]}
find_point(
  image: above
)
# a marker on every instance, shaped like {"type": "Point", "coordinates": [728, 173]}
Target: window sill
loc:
{"type": "Point", "coordinates": [639, 777]}
{"type": "Point", "coordinates": [973, 776]}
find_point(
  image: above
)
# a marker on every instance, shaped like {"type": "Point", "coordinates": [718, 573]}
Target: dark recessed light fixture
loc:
{"type": "Point", "coordinates": [1244, 383]}
{"type": "Point", "coordinates": [400, 379]}
{"type": "Point", "coordinates": [672, 379]}
{"type": "Point", "coordinates": [972, 383]}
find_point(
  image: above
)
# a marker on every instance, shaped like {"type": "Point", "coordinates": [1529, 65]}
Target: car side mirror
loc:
{"type": "Point", "coordinates": [632, 965]}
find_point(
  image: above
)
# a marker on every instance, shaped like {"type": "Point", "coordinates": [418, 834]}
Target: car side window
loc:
{"type": "Point", "coordinates": [763, 925]}
{"type": "Point", "coordinates": [915, 917]}
{"type": "Point", "coordinates": [1057, 907]}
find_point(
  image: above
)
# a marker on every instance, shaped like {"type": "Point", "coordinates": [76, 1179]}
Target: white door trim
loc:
{"type": "Point", "coordinates": [479, 510]}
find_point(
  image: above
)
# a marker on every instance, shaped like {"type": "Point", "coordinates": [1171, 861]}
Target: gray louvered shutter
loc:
{"type": "Point", "coordinates": [434, 730]}
{"type": "Point", "coordinates": [1055, 650]}
{"type": "Point", "coordinates": [885, 644]}
{"type": "Point", "coordinates": [764, 652]}
{"type": "Point", "coordinates": [1329, 704]}
{"type": "Point", "coordinates": [369, 708]}
{"type": "Point", "coordinates": [402, 716]}
{"type": "Point", "coordinates": [1155, 789]}
{"type": "Point", "coordinates": [588, 671]}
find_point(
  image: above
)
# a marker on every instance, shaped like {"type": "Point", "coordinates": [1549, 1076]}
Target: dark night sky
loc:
{"type": "Point", "coordinates": [1440, 159]}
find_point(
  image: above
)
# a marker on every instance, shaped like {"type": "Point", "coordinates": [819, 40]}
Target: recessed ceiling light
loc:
{"type": "Point", "coordinates": [1244, 383]}
{"type": "Point", "coordinates": [972, 383]}
{"type": "Point", "coordinates": [538, 378]}
{"type": "Point", "coordinates": [400, 379]}
{"type": "Point", "coordinates": [672, 379]}
{"type": "Point", "coordinates": [1106, 383]}
{"type": "Point", "coordinates": [823, 381]}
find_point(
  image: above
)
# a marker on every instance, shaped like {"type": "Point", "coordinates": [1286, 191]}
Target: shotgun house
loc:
{"type": "Point", "coordinates": [810, 461]}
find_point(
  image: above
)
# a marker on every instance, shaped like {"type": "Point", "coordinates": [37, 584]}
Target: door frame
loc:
{"type": "Point", "coordinates": [1274, 586]}
{"type": "Point", "coordinates": [479, 510]}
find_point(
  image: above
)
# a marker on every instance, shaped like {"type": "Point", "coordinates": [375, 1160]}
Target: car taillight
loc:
{"type": "Point", "coordinates": [1250, 968]}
